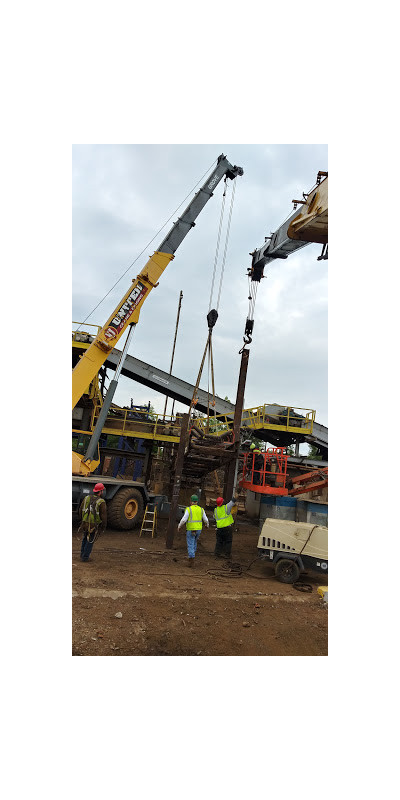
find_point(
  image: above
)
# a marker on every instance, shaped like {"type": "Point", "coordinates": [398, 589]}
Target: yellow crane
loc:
{"type": "Point", "coordinates": [126, 315]}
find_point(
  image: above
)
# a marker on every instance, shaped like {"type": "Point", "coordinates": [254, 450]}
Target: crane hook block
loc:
{"type": "Point", "coordinates": [212, 317]}
{"type": "Point", "coordinates": [249, 327]}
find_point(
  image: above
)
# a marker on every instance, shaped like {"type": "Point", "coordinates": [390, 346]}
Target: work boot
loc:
{"type": "Point", "coordinates": [191, 562]}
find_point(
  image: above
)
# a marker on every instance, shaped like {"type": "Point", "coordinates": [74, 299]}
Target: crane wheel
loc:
{"type": "Point", "coordinates": [125, 510]}
{"type": "Point", "coordinates": [287, 571]}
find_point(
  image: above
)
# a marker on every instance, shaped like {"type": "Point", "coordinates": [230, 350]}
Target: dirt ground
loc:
{"type": "Point", "coordinates": [167, 609]}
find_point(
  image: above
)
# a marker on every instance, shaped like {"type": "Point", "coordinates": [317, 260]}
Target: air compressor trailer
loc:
{"type": "Point", "coordinates": [292, 547]}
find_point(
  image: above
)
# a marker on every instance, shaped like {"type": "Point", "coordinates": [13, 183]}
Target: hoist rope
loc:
{"type": "Point", "coordinates": [147, 245]}
{"type": "Point", "coordinates": [208, 347]}
{"type": "Point", "coordinates": [193, 400]}
{"type": "Point", "coordinates": [218, 242]}
{"type": "Point", "coordinates": [210, 363]}
{"type": "Point", "coordinates": [253, 288]}
{"type": "Point", "coordinates": [226, 240]}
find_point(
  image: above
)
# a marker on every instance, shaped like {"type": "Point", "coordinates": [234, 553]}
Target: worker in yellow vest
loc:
{"type": "Point", "coordinates": [225, 521]}
{"type": "Point", "coordinates": [194, 517]}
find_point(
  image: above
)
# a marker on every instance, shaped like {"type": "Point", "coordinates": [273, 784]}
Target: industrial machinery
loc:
{"type": "Point", "coordinates": [309, 224]}
{"type": "Point", "coordinates": [265, 472]}
{"type": "Point", "coordinates": [127, 312]}
{"type": "Point", "coordinates": [124, 318]}
{"type": "Point", "coordinates": [292, 547]}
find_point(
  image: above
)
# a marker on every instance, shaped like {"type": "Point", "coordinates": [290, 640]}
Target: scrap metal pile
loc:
{"type": "Point", "coordinates": [206, 453]}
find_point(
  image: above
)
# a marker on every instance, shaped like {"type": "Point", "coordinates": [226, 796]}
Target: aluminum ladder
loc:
{"type": "Point", "coordinates": [149, 518]}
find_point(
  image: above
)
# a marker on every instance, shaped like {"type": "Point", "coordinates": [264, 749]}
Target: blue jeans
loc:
{"type": "Point", "coordinates": [87, 545]}
{"type": "Point", "coordinates": [192, 538]}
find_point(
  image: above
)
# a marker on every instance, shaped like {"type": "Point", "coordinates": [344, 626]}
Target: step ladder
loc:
{"type": "Point", "coordinates": [149, 519]}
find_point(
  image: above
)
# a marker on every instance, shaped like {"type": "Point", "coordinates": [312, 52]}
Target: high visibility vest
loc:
{"type": "Point", "coordinates": [222, 517]}
{"type": "Point", "coordinates": [194, 521]}
{"type": "Point", "coordinates": [91, 510]}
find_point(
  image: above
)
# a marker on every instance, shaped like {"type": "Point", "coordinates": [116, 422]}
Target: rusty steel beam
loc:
{"type": "Point", "coordinates": [316, 473]}
{"type": "Point", "coordinates": [231, 469]}
{"type": "Point", "coordinates": [308, 488]}
{"type": "Point", "coordinates": [177, 482]}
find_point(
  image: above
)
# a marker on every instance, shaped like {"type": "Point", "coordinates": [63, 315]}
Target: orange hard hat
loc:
{"type": "Point", "coordinates": [220, 501]}
{"type": "Point", "coordinates": [99, 487]}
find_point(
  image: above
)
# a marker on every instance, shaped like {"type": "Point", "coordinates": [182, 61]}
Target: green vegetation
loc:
{"type": "Point", "coordinates": [314, 453]}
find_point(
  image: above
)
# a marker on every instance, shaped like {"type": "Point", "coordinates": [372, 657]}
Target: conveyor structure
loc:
{"type": "Point", "coordinates": [277, 424]}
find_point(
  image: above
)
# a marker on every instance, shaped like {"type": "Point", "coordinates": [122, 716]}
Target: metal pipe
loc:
{"type": "Point", "coordinates": [231, 470]}
{"type": "Point", "coordinates": [173, 348]}
{"type": "Point", "coordinates": [177, 482]}
{"type": "Point", "coordinates": [94, 439]}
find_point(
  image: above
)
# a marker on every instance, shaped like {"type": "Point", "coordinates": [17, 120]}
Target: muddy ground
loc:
{"type": "Point", "coordinates": [167, 609]}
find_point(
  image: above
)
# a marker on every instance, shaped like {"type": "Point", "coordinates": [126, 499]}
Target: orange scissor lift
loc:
{"type": "Point", "coordinates": [265, 472]}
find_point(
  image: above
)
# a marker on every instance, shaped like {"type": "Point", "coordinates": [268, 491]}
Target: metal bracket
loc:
{"type": "Point", "coordinates": [324, 252]}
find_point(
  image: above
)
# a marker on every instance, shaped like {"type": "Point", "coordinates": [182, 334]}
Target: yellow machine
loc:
{"type": "Point", "coordinates": [311, 222]}
{"type": "Point", "coordinates": [126, 315]}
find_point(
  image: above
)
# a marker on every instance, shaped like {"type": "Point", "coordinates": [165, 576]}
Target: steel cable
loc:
{"type": "Point", "coordinates": [147, 245]}
{"type": "Point", "coordinates": [218, 243]}
{"type": "Point", "coordinates": [226, 240]}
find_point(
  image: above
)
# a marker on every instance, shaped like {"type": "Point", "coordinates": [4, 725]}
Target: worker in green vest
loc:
{"type": "Point", "coordinates": [93, 515]}
{"type": "Point", "coordinates": [225, 521]}
{"type": "Point", "coordinates": [194, 517]}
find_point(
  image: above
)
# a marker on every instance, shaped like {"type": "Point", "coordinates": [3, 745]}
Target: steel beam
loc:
{"type": "Point", "coordinates": [177, 482]}
{"type": "Point", "coordinates": [231, 469]}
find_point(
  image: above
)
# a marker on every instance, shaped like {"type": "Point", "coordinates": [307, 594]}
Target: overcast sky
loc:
{"type": "Point", "coordinates": [123, 195]}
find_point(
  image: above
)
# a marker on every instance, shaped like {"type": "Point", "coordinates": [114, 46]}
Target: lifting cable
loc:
{"type": "Point", "coordinates": [253, 288]}
{"type": "Point", "coordinates": [147, 245]}
{"type": "Point", "coordinates": [212, 315]}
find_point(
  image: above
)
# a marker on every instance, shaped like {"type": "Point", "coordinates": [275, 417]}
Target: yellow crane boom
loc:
{"type": "Point", "coordinates": [126, 313]}
{"type": "Point", "coordinates": [128, 309]}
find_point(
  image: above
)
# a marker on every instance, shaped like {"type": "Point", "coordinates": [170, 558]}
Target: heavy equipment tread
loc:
{"type": "Point", "coordinates": [116, 517]}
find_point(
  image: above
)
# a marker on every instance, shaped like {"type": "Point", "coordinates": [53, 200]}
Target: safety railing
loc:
{"type": "Point", "coordinates": [215, 426]}
{"type": "Point", "coordinates": [140, 424]}
{"type": "Point", "coordinates": [265, 472]}
{"type": "Point", "coordinates": [288, 419]}
{"type": "Point", "coordinates": [83, 336]}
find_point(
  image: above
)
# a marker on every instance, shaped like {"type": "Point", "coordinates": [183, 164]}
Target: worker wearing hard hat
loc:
{"type": "Point", "coordinates": [258, 463]}
{"type": "Point", "coordinates": [225, 521]}
{"type": "Point", "coordinates": [93, 515]}
{"type": "Point", "coordinates": [194, 517]}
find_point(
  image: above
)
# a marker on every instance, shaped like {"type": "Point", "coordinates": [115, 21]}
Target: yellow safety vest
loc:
{"type": "Point", "coordinates": [222, 517]}
{"type": "Point", "coordinates": [194, 521]}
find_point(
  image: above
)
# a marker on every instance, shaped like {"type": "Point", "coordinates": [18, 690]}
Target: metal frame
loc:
{"type": "Point", "coordinates": [273, 457]}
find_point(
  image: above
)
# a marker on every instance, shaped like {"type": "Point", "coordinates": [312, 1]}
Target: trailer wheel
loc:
{"type": "Point", "coordinates": [287, 571]}
{"type": "Point", "coordinates": [125, 510]}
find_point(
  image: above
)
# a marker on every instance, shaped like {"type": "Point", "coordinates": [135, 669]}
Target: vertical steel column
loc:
{"type": "Point", "coordinates": [231, 469]}
{"type": "Point", "coordinates": [177, 481]}
{"type": "Point", "coordinates": [147, 464]}
{"type": "Point", "coordinates": [94, 439]}
{"type": "Point", "coordinates": [173, 348]}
